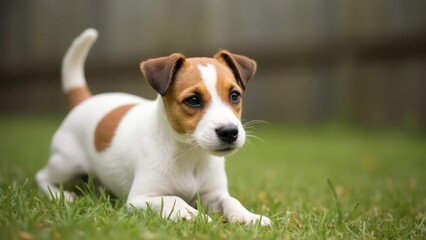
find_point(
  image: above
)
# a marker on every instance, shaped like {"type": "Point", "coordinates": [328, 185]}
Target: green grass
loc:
{"type": "Point", "coordinates": [328, 182]}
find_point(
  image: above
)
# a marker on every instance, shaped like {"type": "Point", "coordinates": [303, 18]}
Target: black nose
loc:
{"type": "Point", "coordinates": [228, 133]}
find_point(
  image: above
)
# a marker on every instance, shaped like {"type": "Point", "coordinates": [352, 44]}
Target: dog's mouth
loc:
{"type": "Point", "coordinates": [226, 150]}
{"type": "Point", "coordinates": [216, 146]}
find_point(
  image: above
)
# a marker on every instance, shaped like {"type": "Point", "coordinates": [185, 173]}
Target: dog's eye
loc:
{"type": "Point", "coordinates": [193, 101]}
{"type": "Point", "coordinates": [235, 97]}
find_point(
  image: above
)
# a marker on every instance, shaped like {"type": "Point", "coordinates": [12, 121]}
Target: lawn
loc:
{"type": "Point", "coordinates": [322, 182]}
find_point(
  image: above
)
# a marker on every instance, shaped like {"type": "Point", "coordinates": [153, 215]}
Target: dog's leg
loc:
{"type": "Point", "coordinates": [51, 175]}
{"type": "Point", "coordinates": [66, 162]}
{"type": "Point", "coordinates": [232, 209]}
{"type": "Point", "coordinates": [171, 207]}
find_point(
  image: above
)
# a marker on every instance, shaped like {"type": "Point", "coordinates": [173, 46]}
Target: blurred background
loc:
{"type": "Point", "coordinates": [318, 60]}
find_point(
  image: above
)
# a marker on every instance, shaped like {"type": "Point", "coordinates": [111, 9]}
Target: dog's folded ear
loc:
{"type": "Point", "coordinates": [160, 72]}
{"type": "Point", "coordinates": [242, 67]}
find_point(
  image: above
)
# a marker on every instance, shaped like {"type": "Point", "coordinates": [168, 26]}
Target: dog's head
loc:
{"type": "Point", "coordinates": [203, 97]}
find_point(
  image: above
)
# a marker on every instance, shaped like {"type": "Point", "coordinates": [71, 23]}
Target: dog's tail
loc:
{"type": "Point", "coordinates": [73, 80]}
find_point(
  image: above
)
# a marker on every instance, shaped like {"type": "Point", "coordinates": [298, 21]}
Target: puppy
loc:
{"type": "Point", "coordinates": [159, 153]}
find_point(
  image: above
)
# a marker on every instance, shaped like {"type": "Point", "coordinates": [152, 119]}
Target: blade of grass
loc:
{"type": "Point", "coordinates": [337, 200]}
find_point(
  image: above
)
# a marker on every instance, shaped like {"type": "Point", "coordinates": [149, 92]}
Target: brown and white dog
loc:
{"type": "Point", "coordinates": [160, 153]}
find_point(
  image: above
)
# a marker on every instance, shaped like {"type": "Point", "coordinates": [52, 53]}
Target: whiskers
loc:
{"type": "Point", "coordinates": [249, 126]}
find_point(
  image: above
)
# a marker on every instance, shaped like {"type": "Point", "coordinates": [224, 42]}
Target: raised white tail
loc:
{"type": "Point", "coordinates": [73, 80]}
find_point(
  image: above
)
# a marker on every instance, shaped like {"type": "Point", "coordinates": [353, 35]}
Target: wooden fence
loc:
{"type": "Point", "coordinates": [318, 60]}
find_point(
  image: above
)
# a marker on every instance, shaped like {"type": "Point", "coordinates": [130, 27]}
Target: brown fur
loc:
{"type": "Point", "coordinates": [226, 82]}
{"type": "Point", "coordinates": [183, 118]}
{"type": "Point", "coordinates": [176, 78]}
{"type": "Point", "coordinates": [77, 95]}
{"type": "Point", "coordinates": [106, 128]}
{"type": "Point", "coordinates": [187, 82]}
{"type": "Point", "coordinates": [243, 67]}
{"type": "Point", "coordinates": [160, 72]}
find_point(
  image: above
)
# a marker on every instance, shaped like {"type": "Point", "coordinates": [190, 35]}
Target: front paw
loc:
{"type": "Point", "coordinates": [249, 218]}
{"type": "Point", "coordinates": [69, 197]}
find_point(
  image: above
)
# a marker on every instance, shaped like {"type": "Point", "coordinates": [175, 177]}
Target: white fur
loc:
{"type": "Point", "coordinates": [145, 162]}
{"type": "Point", "coordinates": [73, 62]}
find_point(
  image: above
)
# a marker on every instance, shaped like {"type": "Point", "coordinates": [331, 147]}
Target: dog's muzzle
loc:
{"type": "Point", "coordinates": [220, 139]}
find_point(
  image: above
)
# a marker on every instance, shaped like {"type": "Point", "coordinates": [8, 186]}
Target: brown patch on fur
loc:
{"type": "Point", "coordinates": [188, 82]}
{"type": "Point", "coordinates": [77, 95]}
{"type": "Point", "coordinates": [226, 83]}
{"type": "Point", "coordinates": [107, 127]}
